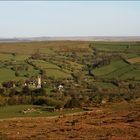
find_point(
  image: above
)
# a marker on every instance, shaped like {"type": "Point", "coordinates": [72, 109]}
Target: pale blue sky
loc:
{"type": "Point", "coordinates": [81, 18]}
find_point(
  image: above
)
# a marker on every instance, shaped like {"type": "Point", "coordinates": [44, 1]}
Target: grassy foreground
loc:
{"type": "Point", "coordinates": [118, 121]}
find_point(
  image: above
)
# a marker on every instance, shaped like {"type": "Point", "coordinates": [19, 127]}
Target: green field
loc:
{"type": "Point", "coordinates": [117, 46]}
{"type": "Point", "coordinates": [7, 74]}
{"type": "Point", "coordinates": [132, 74]}
{"type": "Point", "coordinates": [52, 70]}
{"type": "Point", "coordinates": [4, 57]}
{"type": "Point", "coordinates": [16, 111]}
{"type": "Point", "coordinates": [114, 65]}
{"type": "Point", "coordinates": [45, 65]}
{"type": "Point", "coordinates": [57, 73]}
{"type": "Point", "coordinates": [104, 85]}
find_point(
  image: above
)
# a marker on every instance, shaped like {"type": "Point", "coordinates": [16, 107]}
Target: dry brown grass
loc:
{"type": "Point", "coordinates": [45, 47]}
{"type": "Point", "coordinates": [134, 60]}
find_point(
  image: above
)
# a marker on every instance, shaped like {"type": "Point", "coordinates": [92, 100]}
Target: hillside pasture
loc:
{"type": "Point", "coordinates": [130, 55]}
{"type": "Point", "coordinates": [117, 46]}
{"type": "Point", "coordinates": [6, 74]}
{"type": "Point", "coordinates": [118, 73]}
{"type": "Point", "coordinates": [134, 74]}
{"type": "Point", "coordinates": [104, 85]}
{"type": "Point", "coordinates": [45, 65]}
{"type": "Point", "coordinates": [114, 65]}
{"type": "Point", "coordinates": [119, 69]}
{"type": "Point", "coordinates": [19, 57]}
{"type": "Point", "coordinates": [52, 70]}
{"type": "Point", "coordinates": [4, 56]}
{"type": "Point", "coordinates": [56, 73]}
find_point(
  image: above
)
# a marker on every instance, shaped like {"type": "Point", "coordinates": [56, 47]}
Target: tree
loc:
{"type": "Point", "coordinates": [36, 55]}
{"type": "Point", "coordinates": [131, 86]}
{"type": "Point", "coordinates": [13, 92]}
{"type": "Point", "coordinates": [89, 68]}
{"type": "Point", "coordinates": [14, 54]}
{"type": "Point", "coordinates": [8, 84]}
{"type": "Point", "coordinates": [26, 90]}
{"type": "Point", "coordinates": [42, 72]}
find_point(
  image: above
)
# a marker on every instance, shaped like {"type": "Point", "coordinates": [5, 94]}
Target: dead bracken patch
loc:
{"type": "Point", "coordinates": [105, 124]}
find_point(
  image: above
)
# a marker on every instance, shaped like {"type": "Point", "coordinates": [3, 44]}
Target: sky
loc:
{"type": "Point", "coordinates": [69, 18]}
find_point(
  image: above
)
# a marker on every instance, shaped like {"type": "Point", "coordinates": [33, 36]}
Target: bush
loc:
{"type": "Point", "coordinates": [2, 91]}
{"type": "Point", "coordinates": [8, 84]}
{"type": "Point", "coordinates": [16, 73]}
{"type": "Point", "coordinates": [97, 99]}
{"type": "Point", "coordinates": [39, 92]}
{"type": "Point", "coordinates": [42, 100]}
{"type": "Point", "coordinates": [53, 102]}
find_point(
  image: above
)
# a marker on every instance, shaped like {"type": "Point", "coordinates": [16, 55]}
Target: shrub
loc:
{"type": "Point", "coordinates": [3, 101]}
{"type": "Point", "coordinates": [40, 100]}
{"type": "Point", "coordinates": [26, 90]}
{"type": "Point", "coordinates": [14, 100]}
{"type": "Point", "coordinates": [25, 100]}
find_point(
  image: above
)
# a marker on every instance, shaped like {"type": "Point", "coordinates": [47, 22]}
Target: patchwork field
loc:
{"type": "Point", "coordinates": [57, 51]}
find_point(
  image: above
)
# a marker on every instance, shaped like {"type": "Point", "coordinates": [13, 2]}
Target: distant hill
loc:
{"type": "Point", "coordinates": [83, 38]}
